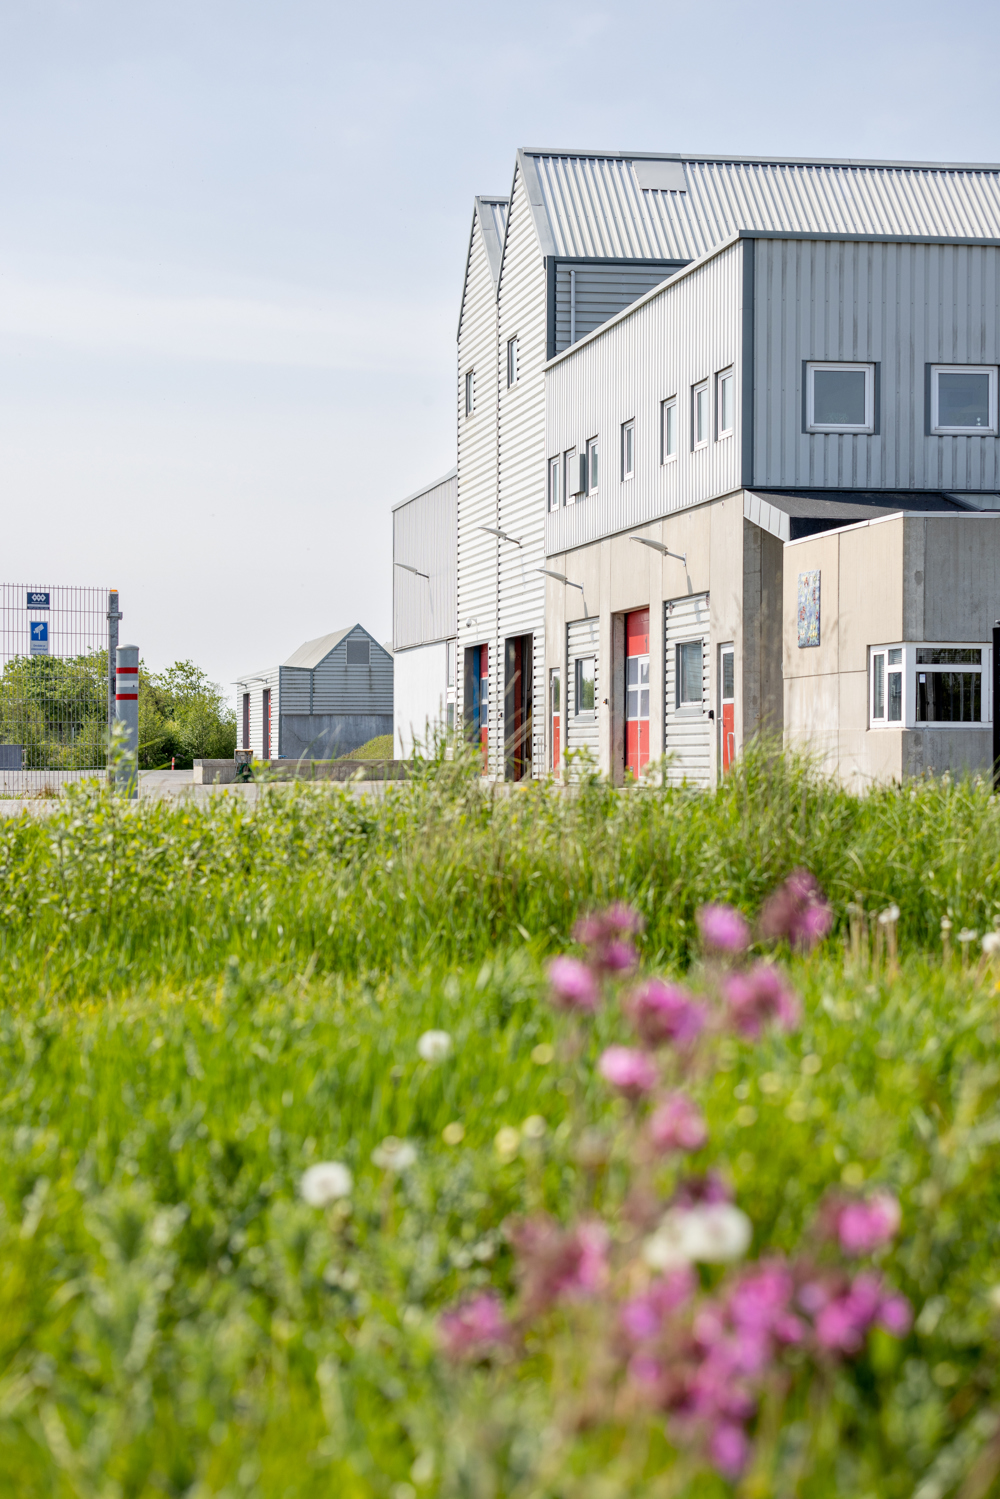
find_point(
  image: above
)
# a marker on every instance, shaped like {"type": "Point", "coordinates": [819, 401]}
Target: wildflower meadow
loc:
{"type": "Point", "coordinates": [465, 1143]}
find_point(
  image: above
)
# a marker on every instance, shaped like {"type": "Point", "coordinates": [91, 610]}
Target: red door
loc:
{"type": "Point", "coordinates": [637, 691]}
{"type": "Point", "coordinates": [484, 701]}
{"type": "Point", "coordinates": [727, 705]}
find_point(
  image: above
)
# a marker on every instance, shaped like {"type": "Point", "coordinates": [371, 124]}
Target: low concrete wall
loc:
{"type": "Point", "coordinates": [223, 772]}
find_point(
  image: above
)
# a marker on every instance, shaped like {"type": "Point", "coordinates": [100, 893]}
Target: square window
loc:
{"type": "Point", "coordinates": [690, 688]}
{"type": "Point", "coordinates": [555, 464]}
{"type": "Point", "coordinates": [628, 450]}
{"type": "Point", "coordinates": [358, 652]}
{"type": "Point", "coordinates": [840, 397]}
{"type": "Point", "coordinates": [511, 361]}
{"type": "Point", "coordinates": [724, 403]}
{"type": "Point", "coordinates": [700, 415]}
{"type": "Point", "coordinates": [470, 392]}
{"type": "Point", "coordinates": [592, 466]}
{"type": "Point", "coordinates": [668, 425]}
{"type": "Point", "coordinates": [586, 677]}
{"type": "Point", "coordinates": [964, 399]}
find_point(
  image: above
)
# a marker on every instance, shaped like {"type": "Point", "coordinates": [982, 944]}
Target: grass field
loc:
{"type": "Point", "coordinates": [379, 748]}
{"type": "Point", "coordinates": [201, 1003]}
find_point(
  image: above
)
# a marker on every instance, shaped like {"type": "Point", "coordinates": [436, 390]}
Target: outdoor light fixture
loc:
{"type": "Point", "coordinates": [559, 577]}
{"type": "Point", "coordinates": [415, 570]}
{"type": "Point", "coordinates": [502, 534]}
{"type": "Point", "coordinates": [659, 547]}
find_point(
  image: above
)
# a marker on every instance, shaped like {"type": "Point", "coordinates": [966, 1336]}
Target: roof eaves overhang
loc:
{"type": "Point", "coordinates": [724, 158]}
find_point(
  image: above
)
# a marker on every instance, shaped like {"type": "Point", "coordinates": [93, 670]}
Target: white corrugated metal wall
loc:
{"type": "Point", "coordinates": [672, 340]}
{"type": "Point", "coordinates": [688, 731]}
{"type": "Point", "coordinates": [256, 686]}
{"type": "Point", "coordinates": [476, 556]}
{"type": "Point", "coordinates": [423, 537]}
{"type": "Point", "coordinates": [521, 462]}
{"type": "Point", "coordinates": [903, 306]}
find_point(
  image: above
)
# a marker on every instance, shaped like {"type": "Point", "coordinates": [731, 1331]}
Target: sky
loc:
{"type": "Point", "coordinates": [232, 239]}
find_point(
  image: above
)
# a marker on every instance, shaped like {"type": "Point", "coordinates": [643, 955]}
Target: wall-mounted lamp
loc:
{"type": "Point", "coordinates": [502, 534]}
{"type": "Point", "coordinates": [415, 570]}
{"type": "Point", "coordinates": [559, 577]}
{"type": "Point", "coordinates": [659, 547]}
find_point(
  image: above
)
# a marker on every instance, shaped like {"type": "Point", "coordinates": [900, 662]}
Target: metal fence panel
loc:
{"type": "Point", "coordinates": [53, 686]}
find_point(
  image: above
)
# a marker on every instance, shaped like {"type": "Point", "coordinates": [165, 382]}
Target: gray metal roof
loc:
{"type": "Point", "coordinates": [592, 205]}
{"type": "Point", "coordinates": [314, 651]}
{"type": "Point", "coordinates": [806, 512]}
{"type": "Point", "coordinates": [492, 222]}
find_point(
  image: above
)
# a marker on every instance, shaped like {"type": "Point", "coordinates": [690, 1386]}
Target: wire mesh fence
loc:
{"type": "Point", "coordinates": [53, 686]}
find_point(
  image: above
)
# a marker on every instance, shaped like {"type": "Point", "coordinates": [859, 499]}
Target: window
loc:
{"type": "Point", "coordinates": [840, 398]}
{"type": "Point", "coordinates": [700, 415]}
{"type": "Point", "coordinates": [265, 714]}
{"type": "Point", "coordinates": [585, 679]}
{"type": "Point", "coordinates": [555, 464]}
{"type": "Point", "coordinates": [963, 399]}
{"type": "Point", "coordinates": [914, 685]}
{"type": "Point", "coordinates": [592, 466]}
{"type": "Point", "coordinates": [555, 717]}
{"type": "Point", "coordinates": [724, 403]}
{"type": "Point", "coordinates": [668, 430]}
{"type": "Point", "coordinates": [246, 720]}
{"type": "Point", "coordinates": [511, 361]}
{"type": "Point", "coordinates": [573, 480]}
{"type": "Point", "coordinates": [628, 450]}
{"type": "Point", "coordinates": [358, 652]}
{"type": "Point", "coordinates": [689, 674]}
{"type": "Point", "coordinates": [470, 392]}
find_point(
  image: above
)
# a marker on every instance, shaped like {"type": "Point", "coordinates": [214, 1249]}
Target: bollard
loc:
{"type": "Point", "coordinates": [127, 713]}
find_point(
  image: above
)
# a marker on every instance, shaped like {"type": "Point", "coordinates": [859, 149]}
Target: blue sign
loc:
{"type": "Point", "coordinates": [39, 631]}
{"type": "Point", "coordinates": [38, 600]}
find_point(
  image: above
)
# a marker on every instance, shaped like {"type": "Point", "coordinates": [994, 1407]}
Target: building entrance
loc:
{"type": "Point", "coordinates": [637, 691]}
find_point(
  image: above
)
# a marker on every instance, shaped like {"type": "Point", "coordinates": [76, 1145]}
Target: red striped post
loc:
{"type": "Point", "coordinates": [127, 713]}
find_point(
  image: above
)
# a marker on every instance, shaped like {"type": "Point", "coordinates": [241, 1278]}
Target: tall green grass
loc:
{"type": "Point", "coordinates": [200, 1001]}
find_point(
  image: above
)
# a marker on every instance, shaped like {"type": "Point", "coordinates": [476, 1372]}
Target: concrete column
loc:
{"type": "Point", "coordinates": [127, 713]}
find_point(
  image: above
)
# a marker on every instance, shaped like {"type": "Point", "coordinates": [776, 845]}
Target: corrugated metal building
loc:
{"type": "Point", "coordinates": [331, 696]}
{"type": "Point", "coordinates": [424, 614]}
{"type": "Point", "coordinates": [569, 356]}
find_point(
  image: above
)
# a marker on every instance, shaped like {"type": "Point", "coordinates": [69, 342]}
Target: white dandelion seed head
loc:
{"type": "Point", "coordinates": [434, 1046]}
{"type": "Point", "coordinates": [324, 1183]}
{"type": "Point", "coordinates": [394, 1154]}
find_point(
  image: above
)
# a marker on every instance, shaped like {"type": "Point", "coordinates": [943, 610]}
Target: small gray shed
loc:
{"type": "Point", "coordinates": [332, 695]}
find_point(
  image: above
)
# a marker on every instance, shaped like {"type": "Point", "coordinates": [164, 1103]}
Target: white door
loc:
{"type": "Point", "coordinates": [687, 726]}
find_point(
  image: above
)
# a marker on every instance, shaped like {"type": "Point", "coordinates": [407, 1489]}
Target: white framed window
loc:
{"type": "Point", "coordinates": [668, 430]}
{"type": "Point", "coordinates": [586, 676]}
{"type": "Point", "coordinates": [964, 399]}
{"type": "Point", "coordinates": [511, 362]}
{"type": "Point", "coordinates": [689, 665]}
{"type": "Point", "coordinates": [573, 477]}
{"type": "Point", "coordinates": [699, 415]}
{"type": "Point", "coordinates": [555, 468]}
{"type": "Point", "coordinates": [470, 392]}
{"type": "Point", "coordinates": [628, 450]}
{"type": "Point", "coordinates": [725, 386]}
{"type": "Point", "coordinates": [919, 684]}
{"type": "Point", "coordinates": [593, 465]}
{"type": "Point", "coordinates": [840, 397]}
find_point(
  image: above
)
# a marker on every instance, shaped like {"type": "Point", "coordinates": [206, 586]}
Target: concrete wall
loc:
{"type": "Point", "coordinates": [906, 579]}
{"type": "Point", "coordinates": [737, 565]}
{"type": "Point", "coordinates": [421, 693]}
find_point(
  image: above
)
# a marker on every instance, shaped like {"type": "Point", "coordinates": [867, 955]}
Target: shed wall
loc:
{"type": "Point", "coordinates": [588, 294]}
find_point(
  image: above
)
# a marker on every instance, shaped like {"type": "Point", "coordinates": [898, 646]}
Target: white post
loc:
{"type": "Point", "coordinates": [127, 713]}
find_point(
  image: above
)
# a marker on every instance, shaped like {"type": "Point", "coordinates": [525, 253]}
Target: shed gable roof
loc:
{"type": "Point", "coordinates": [312, 652]}
{"type": "Point", "coordinates": [490, 214]}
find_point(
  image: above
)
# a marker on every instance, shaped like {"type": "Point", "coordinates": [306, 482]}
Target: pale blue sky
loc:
{"type": "Point", "coordinates": [232, 236]}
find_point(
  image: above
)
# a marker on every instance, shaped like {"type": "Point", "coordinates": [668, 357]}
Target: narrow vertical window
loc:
{"type": "Point", "coordinates": [511, 361]}
{"type": "Point", "coordinates": [700, 415]}
{"type": "Point", "coordinates": [555, 464]}
{"type": "Point", "coordinates": [628, 449]}
{"type": "Point", "coordinates": [592, 466]}
{"type": "Point", "coordinates": [895, 684]}
{"type": "Point", "coordinates": [470, 392]}
{"type": "Point", "coordinates": [878, 686]}
{"type": "Point", "coordinates": [669, 425]}
{"type": "Point", "coordinates": [724, 404]}
{"type": "Point", "coordinates": [246, 720]}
